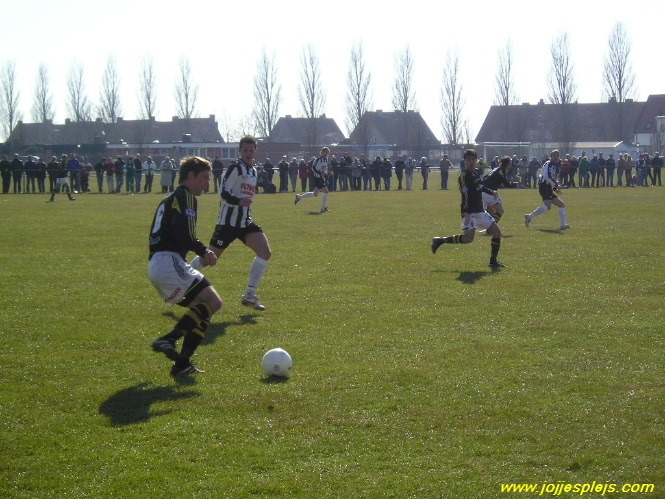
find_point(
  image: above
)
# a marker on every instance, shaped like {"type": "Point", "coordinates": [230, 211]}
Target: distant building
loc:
{"type": "Point", "coordinates": [394, 133]}
{"type": "Point", "coordinates": [534, 130]}
{"type": "Point", "coordinates": [310, 133]}
{"type": "Point", "coordinates": [176, 138]}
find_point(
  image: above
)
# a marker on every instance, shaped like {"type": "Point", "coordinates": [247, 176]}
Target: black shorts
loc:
{"type": "Point", "coordinates": [224, 235]}
{"type": "Point", "coordinates": [320, 183]}
{"type": "Point", "coordinates": [546, 191]}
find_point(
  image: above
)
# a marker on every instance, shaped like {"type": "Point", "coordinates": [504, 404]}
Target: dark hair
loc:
{"type": "Point", "coordinates": [506, 161]}
{"type": "Point", "coordinates": [470, 152]}
{"type": "Point", "coordinates": [194, 164]}
{"type": "Point", "coordinates": [247, 139]}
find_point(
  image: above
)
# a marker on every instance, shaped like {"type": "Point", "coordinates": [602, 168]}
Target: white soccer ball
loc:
{"type": "Point", "coordinates": [277, 362]}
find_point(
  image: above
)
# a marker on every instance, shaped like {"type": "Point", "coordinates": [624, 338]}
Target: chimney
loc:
{"type": "Point", "coordinates": [187, 138]}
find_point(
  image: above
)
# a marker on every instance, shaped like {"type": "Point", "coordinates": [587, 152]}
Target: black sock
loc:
{"type": "Point", "coordinates": [196, 319]}
{"type": "Point", "coordinates": [496, 245]}
{"type": "Point", "coordinates": [456, 239]}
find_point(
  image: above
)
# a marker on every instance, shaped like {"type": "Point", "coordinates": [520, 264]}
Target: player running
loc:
{"type": "Point", "coordinates": [547, 187]}
{"type": "Point", "coordinates": [474, 215]}
{"type": "Point", "coordinates": [320, 171]}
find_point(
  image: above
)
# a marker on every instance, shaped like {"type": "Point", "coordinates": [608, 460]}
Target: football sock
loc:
{"type": "Point", "coordinates": [306, 195]}
{"type": "Point", "coordinates": [197, 318]}
{"type": "Point", "coordinates": [496, 245]}
{"type": "Point", "coordinates": [456, 239]}
{"type": "Point", "coordinates": [256, 271]}
{"type": "Point", "coordinates": [538, 211]}
{"type": "Point", "coordinates": [324, 200]}
{"type": "Point", "coordinates": [562, 215]}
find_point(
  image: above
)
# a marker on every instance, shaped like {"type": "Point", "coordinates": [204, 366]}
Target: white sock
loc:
{"type": "Point", "coordinates": [306, 195]}
{"type": "Point", "coordinates": [324, 200]}
{"type": "Point", "coordinates": [562, 216]}
{"type": "Point", "coordinates": [256, 271]}
{"type": "Point", "coordinates": [538, 211]}
{"type": "Point", "coordinates": [197, 264]}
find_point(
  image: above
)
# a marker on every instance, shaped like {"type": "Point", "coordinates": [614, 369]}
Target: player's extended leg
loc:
{"type": "Point", "coordinates": [464, 238]}
{"type": "Point", "coordinates": [258, 242]}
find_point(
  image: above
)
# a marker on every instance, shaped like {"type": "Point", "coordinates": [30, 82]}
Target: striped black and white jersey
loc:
{"type": "Point", "coordinates": [239, 182]}
{"type": "Point", "coordinates": [548, 174]}
{"type": "Point", "coordinates": [320, 166]}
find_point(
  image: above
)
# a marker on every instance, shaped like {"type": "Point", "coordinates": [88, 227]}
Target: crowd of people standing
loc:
{"type": "Point", "coordinates": [134, 174]}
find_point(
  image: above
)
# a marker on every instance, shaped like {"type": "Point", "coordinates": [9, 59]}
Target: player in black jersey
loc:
{"type": "Point", "coordinates": [498, 177]}
{"type": "Point", "coordinates": [172, 236]}
{"type": "Point", "coordinates": [474, 215]}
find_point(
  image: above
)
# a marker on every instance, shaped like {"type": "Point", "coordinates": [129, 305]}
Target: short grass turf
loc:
{"type": "Point", "coordinates": [415, 375]}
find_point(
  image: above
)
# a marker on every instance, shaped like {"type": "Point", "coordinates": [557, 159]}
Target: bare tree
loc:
{"type": "Point", "coordinates": [9, 113]}
{"type": "Point", "coordinates": [185, 92]}
{"type": "Point", "coordinates": [561, 79]}
{"type": "Point", "coordinates": [78, 105]}
{"type": "Point", "coordinates": [109, 106]}
{"type": "Point", "coordinates": [505, 87]}
{"type": "Point", "coordinates": [452, 102]}
{"type": "Point", "coordinates": [404, 97]}
{"type": "Point", "coordinates": [312, 97]}
{"type": "Point", "coordinates": [267, 95]}
{"type": "Point", "coordinates": [147, 92]}
{"type": "Point", "coordinates": [358, 99]}
{"type": "Point", "coordinates": [562, 91]}
{"type": "Point", "coordinates": [42, 108]}
{"type": "Point", "coordinates": [618, 78]}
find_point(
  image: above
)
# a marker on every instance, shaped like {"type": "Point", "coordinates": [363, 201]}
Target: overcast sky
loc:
{"type": "Point", "coordinates": [224, 41]}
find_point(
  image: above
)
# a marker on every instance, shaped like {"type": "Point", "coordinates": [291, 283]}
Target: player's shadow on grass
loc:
{"type": "Point", "coordinates": [314, 213]}
{"type": "Point", "coordinates": [133, 405]}
{"type": "Point", "coordinates": [466, 277]}
{"type": "Point", "coordinates": [216, 330]}
{"type": "Point", "coordinates": [552, 231]}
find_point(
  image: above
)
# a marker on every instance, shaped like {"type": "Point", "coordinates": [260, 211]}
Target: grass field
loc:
{"type": "Point", "coordinates": [415, 375]}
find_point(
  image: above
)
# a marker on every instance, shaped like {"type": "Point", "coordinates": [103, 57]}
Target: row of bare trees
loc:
{"type": "Point", "coordinates": [80, 107]}
{"type": "Point", "coordinates": [618, 85]}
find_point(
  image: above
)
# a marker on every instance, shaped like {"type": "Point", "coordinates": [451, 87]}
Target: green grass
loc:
{"type": "Point", "coordinates": [415, 375]}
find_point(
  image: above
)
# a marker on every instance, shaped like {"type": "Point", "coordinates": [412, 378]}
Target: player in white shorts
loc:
{"type": "Point", "coordinates": [172, 236]}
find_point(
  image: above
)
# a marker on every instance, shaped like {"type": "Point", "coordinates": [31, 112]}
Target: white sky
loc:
{"type": "Point", "coordinates": [224, 41]}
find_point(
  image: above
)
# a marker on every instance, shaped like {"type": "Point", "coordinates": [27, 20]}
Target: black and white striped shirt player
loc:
{"type": "Point", "coordinates": [548, 187]}
{"type": "Point", "coordinates": [320, 173]}
{"type": "Point", "coordinates": [235, 218]}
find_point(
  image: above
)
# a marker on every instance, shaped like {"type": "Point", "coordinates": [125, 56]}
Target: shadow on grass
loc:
{"type": "Point", "coordinates": [552, 231]}
{"type": "Point", "coordinates": [132, 405]}
{"type": "Point", "coordinates": [272, 379]}
{"type": "Point", "coordinates": [214, 331]}
{"type": "Point", "coordinates": [471, 277]}
{"type": "Point", "coordinates": [314, 213]}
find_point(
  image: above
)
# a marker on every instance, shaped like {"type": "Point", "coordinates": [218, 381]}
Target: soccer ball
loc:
{"type": "Point", "coordinates": [277, 362]}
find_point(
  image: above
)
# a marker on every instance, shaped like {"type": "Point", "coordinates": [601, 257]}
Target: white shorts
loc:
{"type": "Point", "coordinates": [61, 181]}
{"type": "Point", "coordinates": [489, 200]}
{"type": "Point", "coordinates": [479, 221]}
{"type": "Point", "coordinates": [171, 275]}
